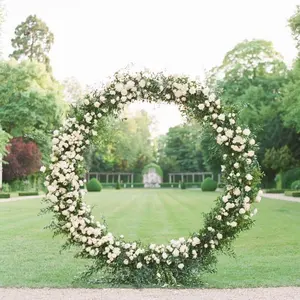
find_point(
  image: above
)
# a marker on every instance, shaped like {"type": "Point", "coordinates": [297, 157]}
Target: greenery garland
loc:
{"type": "Point", "coordinates": [130, 261]}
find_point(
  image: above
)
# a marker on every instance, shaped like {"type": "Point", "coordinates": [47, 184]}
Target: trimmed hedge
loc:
{"type": "Point", "coordinates": [94, 185]}
{"type": "Point", "coordinates": [4, 195]}
{"type": "Point", "coordinates": [209, 185]}
{"type": "Point", "coordinates": [274, 191]}
{"type": "Point", "coordinates": [183, 186]}
{"type": "Point", "coordinates": [292, 193]}
{"type": "Point", "coordinates": [28, 193]}
{"type": "Point", "coordinates": [295, 185]}
{"type": "Point", "coordinates": [289, 177]}
{"type": "Point", "coordinates": [118, 186]}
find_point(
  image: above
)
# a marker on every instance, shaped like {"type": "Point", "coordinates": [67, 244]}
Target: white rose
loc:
{"type": "Point", "coordinates": [201, 106]}
{"type": "Point", "coordinates": [236, 191]}
{"type": "Point", "coordinates": [139, 265]}
{"type": "Point", "coordinates": [249, 177]}
{"type": "Point", "coordinates": [247, 188]}
{"type": "Point", "coordinates": [168, 96]}
{"type": "Point", "coordinates": [205, 91]}
{"type": "Point", "coordinates": [212, 97]}
{"type": "Point", "coordinates": [43, 169]}
{"type": "Point", "coordinates": [126, 261]}
{"type": "Point", "coordinates": [221, 117]}
{"type": "Point", "coordinates": [142, 83]}
{"type": "Point", "coordinates": [252, 142]}
{"type": "Point", "coordinates": [175, 253]}
{"type": "Point", "coordinates": [86, 102]}
{"type": "Point", "coordinates": [192, 90]}
{"type": "Point", "coordinates": [258, 198]}
{"type": "Point", "coordinates": [242, 211]}
{"type": "Point", "coordinates": [236, 165]}
{"type": "Point", "coordinates": [233, 224]}
{"type": "Point", "coordinates": [97, 104]}
{"type": "Point", "coordinates": [246, 132]}
{"type": "Point", "coordinates": [181, 266]}
{"type": "Point", "coordinates": [119, 87]}
{"type": "Point", "coordinates": [219, 236]}
{"type": "Point", "coordinates": [250, 153]}
{"type": "Point", "coordinates": [164, 255]}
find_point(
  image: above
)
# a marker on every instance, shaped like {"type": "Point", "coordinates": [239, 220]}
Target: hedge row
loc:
{"type": "Point", "coordinates": [292, 193]}
{"type": "Point", "coordinates": [29, 194]}
{"type": "Point", "coordinates": [4, 195]}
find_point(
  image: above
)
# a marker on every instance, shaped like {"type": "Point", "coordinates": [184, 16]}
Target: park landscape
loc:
{"type": "Point", "coordinates": [94, 197]}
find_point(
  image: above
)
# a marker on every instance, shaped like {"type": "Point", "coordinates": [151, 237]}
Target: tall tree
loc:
{"type": "Point", "coordinates": [33, 40]}
{"type": "Point", "coordinates": [73, 90]}
{"type": "Point", "coordinates": [294, 23]}
{"type": "Point", "coordinates": [31, 102]}
{"type": "Point", "coordinates": [4, 138]}
{"type": "Point", "coordinates": [2, 15]}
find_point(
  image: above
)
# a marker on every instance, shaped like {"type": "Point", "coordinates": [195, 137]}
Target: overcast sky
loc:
{"type": "Point", "coordinates": [95, 38]}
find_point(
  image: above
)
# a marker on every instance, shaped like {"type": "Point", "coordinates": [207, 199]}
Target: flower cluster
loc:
{"type": "Point", "coordinates": [64, 176]}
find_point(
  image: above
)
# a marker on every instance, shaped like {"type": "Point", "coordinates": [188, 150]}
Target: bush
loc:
{"type": "Point", "coordinates": [29, 194]}
{"type": "Point", "coordinates": [4, 195]}
{"type": "Point", "coordinates": [292, 193]}
{"type": "Point", "coordinates": [296, 194]}
{"type": "Point", "coordinates": [94, 185]}
{"type": "Point", "coordinates": [183, 186]}
{"type": "Point", "coordinates": [5, 188]}
{"type": "Point", "coordinates": [295, 185]}
{"type": "Point", "coordinates": [274, 191]}
{"type": "Point", "coordinates": [289, 177]}
{"type": "Point", "coordinates": [209, 185]}
{"type": "Point", "coordinates": [118, 186]}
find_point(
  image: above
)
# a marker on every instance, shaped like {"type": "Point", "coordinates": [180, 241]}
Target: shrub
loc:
{"type": "Point", "coordinates": [295, 185]}
{"type": "Point", "coordinates": [289, 177]}
{"type": "Point", "coordinates": [5, 188]}
{"type": "Point", "coordinates": [209, 185]}
{"type": "Point", "coordinates": [274, 191]}
{"type": "Point", "coordinates": [296, 194]}
{"type": "Point", "coordinates": [118, 186]}
{"type": "Point", "coordinates": [183, 186]}
{"type": "Point", "coordinates": [4, 195]}
{"type": "Point", "coordinates": [28, 194]}
{"type": "Point", "coordinates": [94, 185]}
{"type": "Point", "coordinates": [190, 185]}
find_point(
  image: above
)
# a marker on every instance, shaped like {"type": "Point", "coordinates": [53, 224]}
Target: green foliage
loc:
{"type": "Point", "coordinates": [4, 195]}
{"type": "Point", "coordinates": [28, 194]}
{"type": "Point", "coordinates": [169, 185]}
{"type": "Point", "coordinates": [118, 186]}
{"type": "Point", "coordinates": [290, 176]}
{"type": "Point", "coordinates": [5, 188]}
{"type": "Point", "coordinates": [157, 168]}
{"type": "Point", "coordinates": [278, 159]}
{"type": "Point", "coordinates": [274, 191]}
{"type": "Point", "coordinates": [294, 23]}
{"type": "Point", "coordinates": [295, 185]}
{"type": "Point", "coordinates": [292, 193]}
{"type": "Point", "coordinates": [209, 185]}
{"type": "Point", "coordinates": [33, 40]}
{"type": "Point", "coordinates": [180, 149]}
{"type": "Point", "coordinates": [182, 185]}
{"type": "Point", "coordinates": [31, 102]}
{"type": "Point", "coordinates": [94, 185]}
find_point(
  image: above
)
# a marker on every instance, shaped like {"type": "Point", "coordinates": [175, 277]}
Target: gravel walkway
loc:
{"type": "Point", "coordinates": [284, 293]}
{"type": "Point", "coordinates": [282, 197]}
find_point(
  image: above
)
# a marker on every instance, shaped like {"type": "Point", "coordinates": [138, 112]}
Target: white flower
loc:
{"type": "Point", "coordinates": [181, 266]}
{"type": "Point", "coordinates": [176, 253]}
{"type": "Point", "coordinates": [242, 211]}
{"type": "Point", "coordinates": [247, 188]}
{"type": "Point", "coordinates": [43, 169]}
{"type": "Point", "coordinates": [130, 84]}
{"type": "Point", "coordinates": [126, 262]}
{"type": "Point", "coordinates": [119, 87]}
{"type": "Point", "coordinates": [205, 91]}
{"type": "Point", "coordinates": [164, 255]}
{"type": "Point", "coordinates": [97, 104]}
{"type": "Point", "coordinates": [225, 199]}
{"type": "Point", "coordinates": [258, 198]}
{"type": "Point", "coordinates": [237, 191]}
{"type": "Point", "coordinates": [236, 165]}
{"type": "Point", "coordinates": [251, 153]}
{"type": "Point", "coordinates": [219, 236]}
{"type": "Point", "coordinates": [252, 142]}
{"type": "Point", "coordinates": [246, 132]}
{"type": "Point", "coordinates": [55, 141]}
{"type": "Point", "coordinates": [192, 90]}
{"type": "Point", "coordinates": [249, 177]}
{"type": "Point", "coordinates": [195, 241]}
{"type": "Point", "coordinates": [178, 93]}
{"type": "Point", "coordinates": [201, 106]}
{"type": "Point", "coordinates": [139, 265]}
{"type": "Point", "coordinates": [86, 102]}
{"type": "Point", "coordinates": [221, 117]}
{"type": "Point", "coordinates": [212, 97]}
{"type": "Point", "coordinates": [233, 224]}
{"type": "Point", "coordinates": [142, 83]}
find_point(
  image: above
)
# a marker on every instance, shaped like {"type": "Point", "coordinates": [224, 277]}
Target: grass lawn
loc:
{"type": "Point", "coordinates": [267, 255]}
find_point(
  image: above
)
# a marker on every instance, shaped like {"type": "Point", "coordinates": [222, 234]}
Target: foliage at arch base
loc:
{"type": "Point", "coordinates": [183, 258]}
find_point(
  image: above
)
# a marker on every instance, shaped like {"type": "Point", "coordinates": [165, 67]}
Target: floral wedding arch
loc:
{"type": "Point", "coordinates": [181, 257]}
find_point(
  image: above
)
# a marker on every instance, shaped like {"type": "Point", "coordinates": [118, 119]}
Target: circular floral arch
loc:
{"type": "Point", "coordinates": [181, 257]}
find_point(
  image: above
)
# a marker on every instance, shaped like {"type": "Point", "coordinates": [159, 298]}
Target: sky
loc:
{"type": "Point", "coordinates": [95, 38]}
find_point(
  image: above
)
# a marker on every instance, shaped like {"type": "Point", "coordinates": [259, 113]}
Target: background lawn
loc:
{"type": "Point", "coordinates": [267, 255]}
